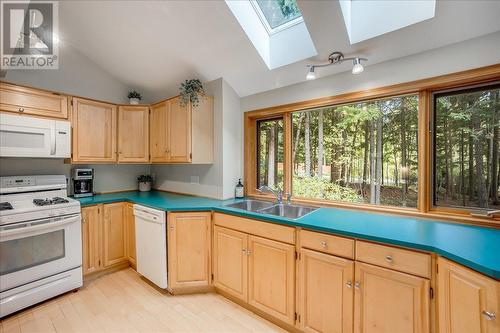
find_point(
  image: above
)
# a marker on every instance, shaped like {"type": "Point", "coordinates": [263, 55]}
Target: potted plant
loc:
{"type": "Point", "coordinates": [190, 91]}
{"type": "Point", "coordinates": [145, 182]}
{"type": "Point", "coordinates": [134, 97]}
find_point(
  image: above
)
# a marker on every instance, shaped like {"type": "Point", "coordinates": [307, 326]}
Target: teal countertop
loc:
{"type": "Point", "coordinates": [473, 246]}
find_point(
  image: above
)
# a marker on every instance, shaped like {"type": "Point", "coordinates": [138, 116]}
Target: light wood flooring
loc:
{"type": "Point", "coordinates": [123, 302]}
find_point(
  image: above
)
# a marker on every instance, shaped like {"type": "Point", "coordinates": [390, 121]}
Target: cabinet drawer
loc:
{"type": "Point", "coordinates": [339, 246]}
{"type": "Point", "coordinates": [254, 227]}
{"type": "Point", "coordinates": [407, 261]}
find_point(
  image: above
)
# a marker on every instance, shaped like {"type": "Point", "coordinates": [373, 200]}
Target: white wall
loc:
{"type": "Point", "coordinates": [477, 52]}
{"type": "Point", "coordinates": [216, 180]}
{"type": "Point", "coordinates": [108, 177]}
{"type": "Point", "coordinates": [77, 75]}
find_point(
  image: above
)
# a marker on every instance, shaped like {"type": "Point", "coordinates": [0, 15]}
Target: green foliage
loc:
{"type": "Point", "coordinates": [134, 94]}
{"type": "Point", "coordinates": [145, 179]}
{"type": "Point", "coordinates": [191, 90]}
{"type": "Point", "coordinates": [289, 8]}
{"type": "Point", "coordinates": [321, 188]}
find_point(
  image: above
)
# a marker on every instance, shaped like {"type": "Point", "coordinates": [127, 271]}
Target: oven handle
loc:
{"type": "Point", "coordinates": [40, 225]}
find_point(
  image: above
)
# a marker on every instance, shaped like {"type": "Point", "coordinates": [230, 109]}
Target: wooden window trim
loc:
{"type": "Point", "coordinates": [425, 88]}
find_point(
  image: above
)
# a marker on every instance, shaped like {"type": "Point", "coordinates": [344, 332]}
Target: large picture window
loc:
{"type": "Point", "coordinates": [466, 148]}
{"type": "Point", "coordinates": [358, 153]}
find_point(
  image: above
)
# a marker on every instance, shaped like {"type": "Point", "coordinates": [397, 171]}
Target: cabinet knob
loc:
{"type": "Point", "coordinates": [324, 244]}
{"type": "Point", "coordinates": [357, 285]}
{"type": "Point", "coordinates": [349, 284]}
{"type": "Point", "coordinates": [249, 252]}
{"type": "Point", "coordinates": [244, 251]}
{"type": "Point", "coordinates": [489, 315]}
{"type": "Point", "coordinates": [21, 109]}
{"type": "Point", "coordinates": [172, 228]}
{"type": "Point", "coordinates": [389, 259]}
{"type": "Point", "coordinates": [84, 220]}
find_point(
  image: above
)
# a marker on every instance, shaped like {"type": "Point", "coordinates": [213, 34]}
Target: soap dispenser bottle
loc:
{"type": "Point", "coordinates": [240, 190]}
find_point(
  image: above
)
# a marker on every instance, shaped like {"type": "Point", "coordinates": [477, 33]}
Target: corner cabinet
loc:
{"type": "Point", "coordinates": [189, 248]}
{"type": "Point", "coordinates": [468, 302]}
{"type": "Point", "coordinates": [130, 234]}
{"type": "Point", "coordinates": [94, 131]}
{"type": "Point", "coordinates": [133, 134]}
{"type": "Point", "coordinates": [114, 234]}
{"type": "Point", "coordinates": [182, 134]}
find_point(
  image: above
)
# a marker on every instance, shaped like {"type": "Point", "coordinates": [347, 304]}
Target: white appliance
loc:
{"type": "Point", "coordinates": [151, 244]}
{"type": "Point", "coordinates": [40, 241]}
{"type": "Point", "coordinates": [34, 137]}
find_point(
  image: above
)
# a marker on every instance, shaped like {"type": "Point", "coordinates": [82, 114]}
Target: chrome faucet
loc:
{"type": "Point", "coordinates": [277, 193]}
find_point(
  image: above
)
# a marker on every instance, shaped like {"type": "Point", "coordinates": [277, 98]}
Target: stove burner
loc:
{"type": "Point", "coordinates": [46, 202]}
{"type": "Point", "coordinates": [5, 206]}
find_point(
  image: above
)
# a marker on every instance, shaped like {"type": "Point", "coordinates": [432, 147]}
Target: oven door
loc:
{"type": "Point", "coordinates": [33, 250]}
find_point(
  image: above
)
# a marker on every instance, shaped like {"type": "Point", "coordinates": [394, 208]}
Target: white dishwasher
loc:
{"type": "Point", "coordinates": [151, 244]}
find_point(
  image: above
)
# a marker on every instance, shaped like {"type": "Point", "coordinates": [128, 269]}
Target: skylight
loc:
{"type": "Point", "coordinates": [277, 14]}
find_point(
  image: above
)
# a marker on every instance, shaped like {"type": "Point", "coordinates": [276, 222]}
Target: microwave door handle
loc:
{"type": "Point", "coordinates": [53, 141]}
{"type": "Point", "coordinates": [42, 226]}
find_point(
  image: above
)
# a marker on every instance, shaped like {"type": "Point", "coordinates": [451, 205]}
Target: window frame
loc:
{"type": "Point", "coordinates": [425, 89]}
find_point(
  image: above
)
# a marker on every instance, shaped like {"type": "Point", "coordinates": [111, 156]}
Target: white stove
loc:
{"type": "Point", "coordinates": [40, 241]}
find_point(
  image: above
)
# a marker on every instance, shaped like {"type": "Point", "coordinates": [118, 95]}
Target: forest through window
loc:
{"type": "Point", "coordinates": [270, 153]}
{"type": "Point", "coordinates": [360, 153]}
{"type": "Point", "coordinates": [466, 148]}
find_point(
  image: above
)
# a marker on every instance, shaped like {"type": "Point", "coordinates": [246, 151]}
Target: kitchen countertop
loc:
{"type": "Point", "coordinates": [472, 246]}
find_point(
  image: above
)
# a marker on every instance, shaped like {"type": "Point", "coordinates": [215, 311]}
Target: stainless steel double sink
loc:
{"type": "Point", "coordinates": [271, 208]}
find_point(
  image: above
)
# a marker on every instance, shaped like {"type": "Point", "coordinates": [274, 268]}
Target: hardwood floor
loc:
{"type": "Point", "coordinates": [123, 302]}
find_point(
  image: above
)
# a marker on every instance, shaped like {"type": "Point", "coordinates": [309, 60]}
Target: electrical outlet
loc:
{"type": "Point", "coordinates": [195, 179]}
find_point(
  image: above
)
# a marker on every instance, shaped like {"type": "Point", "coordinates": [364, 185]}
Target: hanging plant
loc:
{"type": "Point", "coordinates": [190, 91]}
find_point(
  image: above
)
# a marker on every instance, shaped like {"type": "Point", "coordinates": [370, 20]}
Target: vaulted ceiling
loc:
{"type": "Point", "coordinates": [152, 46]}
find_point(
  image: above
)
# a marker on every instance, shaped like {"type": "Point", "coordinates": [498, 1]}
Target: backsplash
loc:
{"type": "Point", "coordinates": [108, 177]}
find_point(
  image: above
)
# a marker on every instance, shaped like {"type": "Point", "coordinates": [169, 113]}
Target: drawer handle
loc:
{"type": "Point", "coordinates": [349, 284]}
{"type": "Point", "coordinates": [324, 244]}
{"type": "Point", "coordinates": [490, 315]}
{"type": "Point", "coordinates": [389, 259]}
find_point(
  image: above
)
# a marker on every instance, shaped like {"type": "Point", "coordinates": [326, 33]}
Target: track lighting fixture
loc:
{"type": "Point", "coordinates": [337, 58]}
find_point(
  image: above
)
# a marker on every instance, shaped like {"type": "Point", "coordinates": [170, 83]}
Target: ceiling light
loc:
{"type": "Point", "coordinates": [337, 58]}
{"type": "Point", "coordinates": [310, 74]}
{"type": "Point", "coordinates": [357, 68]}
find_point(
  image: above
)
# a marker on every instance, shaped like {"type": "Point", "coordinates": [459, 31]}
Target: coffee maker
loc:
{"type": "Point", "coordinates": [82, 181]}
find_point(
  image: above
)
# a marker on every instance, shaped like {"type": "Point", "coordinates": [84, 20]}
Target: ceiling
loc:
{"type": "Point", "coordinates": [152, 46]}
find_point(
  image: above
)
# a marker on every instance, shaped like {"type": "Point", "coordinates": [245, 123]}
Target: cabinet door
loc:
{"type": "Point", "coordinates": [114, 234]}
{"type": "Point", "coordinates": [387, 301]}
{"type": "Point", "coordinates": [130, 233]}
{"type": "Point", "coordinates": [159, 132]}
{"type": "Point", "coordinates": [271, 281]}
{"type": "Point", "coordinates": [189, 249]}
{"type": "Point", "coordinates": [230, 262]}
{"type": "Point", "coordinates": [179, 149]}
{"type": "Point", "coordinates": [91, 225]}
{"type": "Point", "coordinates": [94, 131]}
{"type": "Point", "coordinates": [133, 134]}
{"type": "Point", "coordinates": [468, 302]}
{"type": "Point", "coordinates": [325, 293]}
{"type": "Point", "coordinates": [32, 101]}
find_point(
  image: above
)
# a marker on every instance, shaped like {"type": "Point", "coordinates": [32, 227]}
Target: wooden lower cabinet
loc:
{"type": "Point", "coordinates": [130, 234]}
{"type": "Point", "coordinates": [103, 236]}
{"type": "Point", "coordinates": [325, 293]}
{"type": "Point", "coordinates": [189, 247]}
{"type": "Point", "coordinates": [230, 262]}
{"type": "Point", "coordinates": [387, 301]}
{"type": "Point", "coordinates": [468, 302]}
{"type": "Point", "coordinates": [271, 277]}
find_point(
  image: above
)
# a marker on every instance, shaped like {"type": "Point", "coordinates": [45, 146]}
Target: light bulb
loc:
{"type": "Point", "coordinates": [357, 68]}
{"type": "Point", "coordinates": [310, 74]}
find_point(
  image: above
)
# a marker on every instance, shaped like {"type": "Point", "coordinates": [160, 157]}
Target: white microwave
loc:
{"type": "Point", "coordinates": [22, 136]}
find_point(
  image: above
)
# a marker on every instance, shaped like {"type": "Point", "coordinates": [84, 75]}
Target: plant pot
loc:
{"type": "Point", "coordinates": [134, 101]}
{"type": "Point", "coordinates": [144, 187]}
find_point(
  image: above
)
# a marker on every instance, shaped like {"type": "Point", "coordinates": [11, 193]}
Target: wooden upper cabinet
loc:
{"type": "Point", "coordinates": [182, 134]}
{"type": "Point", "coordinates": [158, 132]}
{"type": "Point", "coordinates": [133, 134]}
{"type": "Point", "coordinates": [189, 247]}
{"type": "Point", "coordinates": [114, 234]}
{"type": "Point", "coordinates": [389, 301]}
{"type": "Point", "coordinates": [325, 290]}
{"type": "Point", "coordinates": [468, 302]}
{"type": "Point", "coordinates": [271, 277]}
{"type": "Point", "coordinates": [30, 101]}
{"type": "Point", "coordinates": [94, 131]}
{"type": "Point", "coordinates": [91, 231]}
